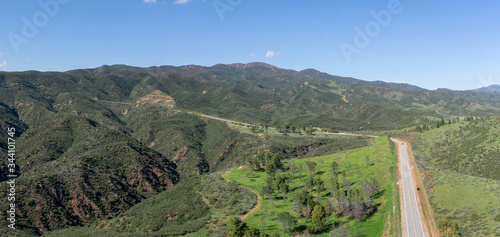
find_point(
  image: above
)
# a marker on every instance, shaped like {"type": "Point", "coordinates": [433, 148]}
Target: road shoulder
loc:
{"type": "Point", "coordinates": [426, 214]}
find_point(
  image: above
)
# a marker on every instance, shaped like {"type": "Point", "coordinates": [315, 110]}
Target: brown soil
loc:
{"type": "Point", "coordinates": [387, 227]}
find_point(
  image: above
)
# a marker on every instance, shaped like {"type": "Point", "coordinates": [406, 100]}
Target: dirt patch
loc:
{"type": "Point", "coordinates": [387, 228]}
{"type": "Point", "coordinates": [157, 98]}
{"type": "Point", "coordinates": [181, 155]}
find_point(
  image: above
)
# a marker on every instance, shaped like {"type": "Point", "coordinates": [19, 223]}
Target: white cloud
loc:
{"type": "Point", "coordinates": [253, 55]}
{"type": "Point", "coordinates": [3, 65]}
{"type": "Point", "coordinates": [181, 1]}
{"type": "Point", "coordinates": [272, 54]}
{"type": "Point", "coordinates": [149, 1]}
{"type": "Point", "coordinates": [1, 54]}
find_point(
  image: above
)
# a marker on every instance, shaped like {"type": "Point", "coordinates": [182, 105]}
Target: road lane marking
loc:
{"type": "Point", "coordinates": [411, 208]}
{"type": "Point", "coordinates": [403, 175]}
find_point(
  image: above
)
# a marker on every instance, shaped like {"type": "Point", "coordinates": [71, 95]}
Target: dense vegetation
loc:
{"type": "Point", "coordinates": [461, 166]}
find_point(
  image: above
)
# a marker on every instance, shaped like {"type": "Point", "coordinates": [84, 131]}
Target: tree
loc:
{"type": "Point", "coordinates": [310, 183]}
{"type": "Point", "coordinates": [254, 162]}
{"type": "Point", "coordinates": [203, 166]}
{"type": "Point", "coordinates": [284, 188]}
{"type": "Point", "coordinates": [300, 171]}
{"type": "Point", "coordinates": [318, 218]}
{"type": "Point", "coordinates": [448, 228]}
{"type": "Point", "coordinates": [375, 185]}
{"type": "Point", "coordinates": [264, 157]}
{"type": "Point", "coordinates": [302, 199]}
{"type": "Point", "coordinates": [334, 185]}
{"type": "Point", "coordinates": [252, 232]}
{"type": "Point", "coordinates": [293, 168]}
{"type": "Point", "coordinates": [267, 191]}
{"type": "Point", "coordinates": [276, 162]}
{"type": "Point", "coordinates": [310, 166]}
{"type": "Point", "coordinates": [346, 182]}
{"type": "Point", "coordinates": [343, 204]}
{"type": "Point", "coordinates": [270, 170]}
{"type": "Point", "coordinates": [306, 212]}
{"type": "Point", "coordinates": [287, 221]}
{"type": "Point", "coordinates": [335, 167]}
{"type": "Point", "coordinates": [319, 185]}
{"type": "Point", "coordinates": [236, 227]}
{"type": "Point", "coordinates": [357, 204]}
{"type": "Point", "coordinates": [367, 187]}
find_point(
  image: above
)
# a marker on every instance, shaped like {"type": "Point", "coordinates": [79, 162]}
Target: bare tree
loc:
{"type": "Point", "coordinates": [310, 166]}
{"type": "Point", "coordinates": [307, 211]}
{"type": "Point", "coordinates": [358, 210]}
{"type": "Point", "coordinates": [346, 182]}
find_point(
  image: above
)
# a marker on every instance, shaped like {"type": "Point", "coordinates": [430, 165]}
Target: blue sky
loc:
{"type": "Point", "coordinates": [433, 44]}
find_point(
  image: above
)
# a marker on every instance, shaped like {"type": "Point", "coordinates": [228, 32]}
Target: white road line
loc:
{"type": "Point", "coordinates": [409, 196]}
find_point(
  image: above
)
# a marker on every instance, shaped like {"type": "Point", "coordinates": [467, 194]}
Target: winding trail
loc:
{"type": "Point", "coordinates": [256, 207]}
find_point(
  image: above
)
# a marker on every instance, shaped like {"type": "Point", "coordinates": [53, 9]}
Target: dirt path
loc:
{"type": "Point", "coordinates": [256, 207]}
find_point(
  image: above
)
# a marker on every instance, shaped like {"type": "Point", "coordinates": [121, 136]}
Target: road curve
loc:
{"type": "Point", "coordinates": [412, 217]}
{"type": "Point", "coordinates": [259, 198]}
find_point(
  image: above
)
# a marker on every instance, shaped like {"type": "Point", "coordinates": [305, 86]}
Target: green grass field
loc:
{"type": "Point", "coordinates": [473, 202]}
{"type": "Point", "coordinates": [353, 163]}
{"type": "Point", "coordinates": [460, 162]}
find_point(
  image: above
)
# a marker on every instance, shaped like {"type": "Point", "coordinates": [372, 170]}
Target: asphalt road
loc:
{"type": "Point", "coordinates": [411, 211]}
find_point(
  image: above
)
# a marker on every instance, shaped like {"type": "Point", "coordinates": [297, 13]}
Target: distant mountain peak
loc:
{"type": "Point", "coordinates": [250, 65]}
{"type": "Point", "coordinates": [492, 89]}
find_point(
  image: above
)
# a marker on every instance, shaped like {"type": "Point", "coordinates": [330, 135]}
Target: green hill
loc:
{"type": "Point", "coordinates": [461, 166]}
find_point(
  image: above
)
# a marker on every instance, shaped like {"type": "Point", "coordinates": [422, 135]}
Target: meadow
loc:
{"type": "Point", "coordinates": [352, 163]}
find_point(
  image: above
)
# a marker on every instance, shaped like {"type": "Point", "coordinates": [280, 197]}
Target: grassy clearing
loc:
{"type": "Point", "coordinates": [473, 202]}
{"type": "Point", "coordinates": [353, 164]}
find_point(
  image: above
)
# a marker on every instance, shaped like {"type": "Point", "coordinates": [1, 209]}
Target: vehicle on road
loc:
{"type": "Point", "coordinates": [418, 189]}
